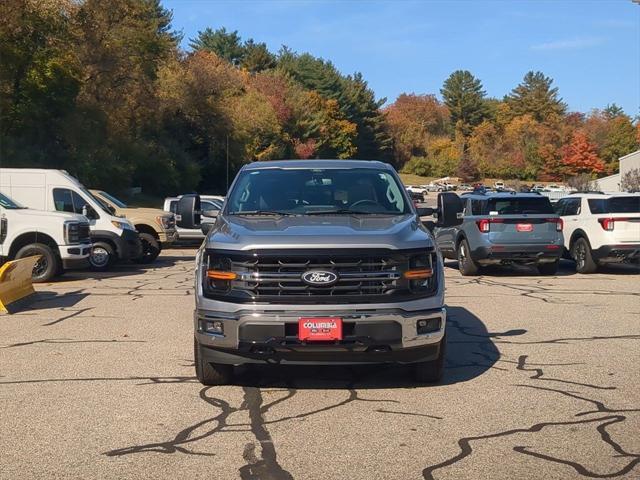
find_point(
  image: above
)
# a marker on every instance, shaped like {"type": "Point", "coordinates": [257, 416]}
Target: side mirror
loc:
{"type": "Point", "coordinates": [450, 208]}
{"type": "Point", "coordinates": [425, 211]}
{"type": "Point", "coordinates": [210, 213]}
{"type": "Point", "coordinates": [188, 212]}
{"type": "Point", "coordinates": [89, 212]}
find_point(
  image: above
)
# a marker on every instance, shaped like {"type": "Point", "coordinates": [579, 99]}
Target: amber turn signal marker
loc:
{"type": "Point", "coordinates": [418, 274]}
{"type": "Point", "coordinates": [220, 275]}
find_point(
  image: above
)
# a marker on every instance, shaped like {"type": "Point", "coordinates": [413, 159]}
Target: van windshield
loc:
{"type": "Point", "coordinates": [629, 204]}
{"type": "Point", "coordinates": [9, 204]}
{"type": "Point", "coordinates": [519, 206]}
{"type": "Point", "coordinates": [365, 191]}
{"type": "Point", "coordinates": [118, 203]}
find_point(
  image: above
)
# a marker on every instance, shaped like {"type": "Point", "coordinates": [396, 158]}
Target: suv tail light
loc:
{"type": "Point", "coordinates": [559, 223]}
{"type": "Point", "coordinates": [609, 224]}
{"type": "Point", "coordinates": [483, 225]}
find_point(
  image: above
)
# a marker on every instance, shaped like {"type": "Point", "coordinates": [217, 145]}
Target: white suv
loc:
{"type": "Point", "coordinates": [601, 228]}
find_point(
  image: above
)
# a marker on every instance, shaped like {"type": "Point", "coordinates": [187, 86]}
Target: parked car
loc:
{"type": "Point", "coordinates": [314, 262]}
{"type": "Point", "coordinates": [432, 187]}
{"type": "Point", "coordinates": [156, 227]}
{"type": "Point", "coordinates": [498, 186]}
{"type": "Point", "coordinates": [465, 187]}
{"type": "Point", "coordinates": [113, 238]}
{"type": "Point", "coordinates": [61, 239]}
{"type": "Point", "coordinates": [600, 228]}
{"type": "Point", "coordinates": [416, 197]}
{"type": "Point", "coordinates": [209, 202]}
{"type": "Point", "coordinates": [504, 228]}
{"type": "Point", "coordinates": [417, 189]}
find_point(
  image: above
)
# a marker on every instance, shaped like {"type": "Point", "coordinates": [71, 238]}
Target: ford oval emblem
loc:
{"type": "Point", "coordinates": [319, 278]}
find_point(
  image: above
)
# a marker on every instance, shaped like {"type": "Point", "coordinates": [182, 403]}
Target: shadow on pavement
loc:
{"type": "Point", "coordinates": [470, 353]}
{"type": "Point", "coordinates": [45, 299]}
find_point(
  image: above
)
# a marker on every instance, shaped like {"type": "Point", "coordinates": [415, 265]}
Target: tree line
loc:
{"type": "Point", "coordinates": [104, 90]}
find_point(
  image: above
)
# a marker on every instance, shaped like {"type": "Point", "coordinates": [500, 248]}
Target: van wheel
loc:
{"type": "Point", "coordinates": [45, 268]}
{"type": "Point", "coordinates": [102, 257]}
{"type": "Point", "coordinates": [581, 254]}
{"type": "Point", "coordinates": [466, 265]}
{"type": "Point", "coordinates": [432, 372]}
{"type": "Point", "coordinates": [150, 248]}
{"type": "Point", "coordinates": [210, 373]}
{"type": "Point", "coordinates": [548, 268]}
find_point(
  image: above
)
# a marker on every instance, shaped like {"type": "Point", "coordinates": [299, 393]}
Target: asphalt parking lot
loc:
{"type": "Point", "coordinates": [542, 381]}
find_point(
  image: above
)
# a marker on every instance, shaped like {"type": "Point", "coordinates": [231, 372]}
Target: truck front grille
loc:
{"type": "Point", "coordinates": [363, 276]}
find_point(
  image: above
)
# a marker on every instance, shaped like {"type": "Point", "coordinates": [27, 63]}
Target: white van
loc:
{"type": "Point", "coordinates": [114, 238]}
{"type": "Point", "coordinates": [61, 239]}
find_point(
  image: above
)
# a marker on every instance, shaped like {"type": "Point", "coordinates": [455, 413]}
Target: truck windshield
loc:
{"type": "Point", "coordinates": [9, 204]}
{"type": "Point", "coordinates": [317, 191]}
{"type": "Point", "coordinates": [112, 199]}
{"type": "Point", "coordinates": [519, 206]}
{"type": "Point", "coordinates": [629, 204]}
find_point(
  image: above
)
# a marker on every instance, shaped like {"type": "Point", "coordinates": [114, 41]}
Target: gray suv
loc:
{"type": "Point", "coordinates": [317, 261]}
{"type": "Point", "coordinates": [504, 228]}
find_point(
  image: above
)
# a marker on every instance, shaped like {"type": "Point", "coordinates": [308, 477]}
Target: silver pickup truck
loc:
{"type": "Point", "coordinates": [318, 262]}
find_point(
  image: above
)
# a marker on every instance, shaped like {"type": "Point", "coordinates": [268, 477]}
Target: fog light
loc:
{"type": "Point", "coordinates": [212, 326]}
{"type": "Point", "coordinates": [428, 325]}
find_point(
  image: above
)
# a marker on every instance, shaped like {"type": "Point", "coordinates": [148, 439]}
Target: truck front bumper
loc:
{"type": "Point", "coordinates": [376, 336]}
{"type": "Point", "coordinates": [167, 237]}
{"type": "Point", "coordinates": [75, 257]}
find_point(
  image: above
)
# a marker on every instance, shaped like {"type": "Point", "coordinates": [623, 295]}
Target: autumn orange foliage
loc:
{"type": "Point", "coordinates": [580, 156]}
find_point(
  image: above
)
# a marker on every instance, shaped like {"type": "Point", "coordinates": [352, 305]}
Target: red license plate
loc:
{"type": "Point", "coordinates": [524, 227]}
{"type": "Point", "coordinates": [320, 329]}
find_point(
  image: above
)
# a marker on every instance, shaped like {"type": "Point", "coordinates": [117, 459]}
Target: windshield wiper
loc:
{"type": "Point", "coordinates": [262, 212]}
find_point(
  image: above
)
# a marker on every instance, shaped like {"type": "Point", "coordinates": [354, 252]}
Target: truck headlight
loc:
{"type": "Point", "coordinates": [217, 274]}
{"type": "Point", "coordinates": [72, 233]}
{"type": "Point", "coordinates": [166, 221]}
{"type": "Point", "coordinates": [421, 272]}
{"type": "Point", "coordinates": [122, 225]}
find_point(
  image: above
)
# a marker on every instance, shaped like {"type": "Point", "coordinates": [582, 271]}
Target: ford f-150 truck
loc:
{"type": "Point", "coordinates": [318, 261]}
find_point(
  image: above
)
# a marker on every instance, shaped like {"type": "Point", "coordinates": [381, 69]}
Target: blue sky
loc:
{"type": "Point", "coordinates": [590, 48]}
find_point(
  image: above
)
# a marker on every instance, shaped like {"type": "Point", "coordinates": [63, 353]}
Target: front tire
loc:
{"type": "Point", "coordinates": [210, 373]}
{"type": "Point", "coordinates": [433, 371]}
{"type": "Point", "coordinates": [102, 257]}
{"type": "Point", "coordinates": [581, 254]}
{"type": "Point", "coordinates": [466, 264]}
{"type": "Point", "coordinates": [150, 249]}
{"type": "Point", "coordinates": [548, 268]}
{"type": "Point", "coordinates": [47, 267]}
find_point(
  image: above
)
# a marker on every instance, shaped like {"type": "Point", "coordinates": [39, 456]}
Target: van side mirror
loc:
{"type": "Point", "coordinates": [450, 209]}
{"type": "Point", "coordinates": [89, 212]}
{"type": "Point", "coordinates": [188, 211]}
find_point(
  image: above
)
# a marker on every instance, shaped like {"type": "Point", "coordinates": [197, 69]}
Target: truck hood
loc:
{"type": "Point", "coordinates": [63, 216]}
{"type": "Point", "coordinates": [327, 231]}
{"type": "Point", "coordinates": [141, 212]}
